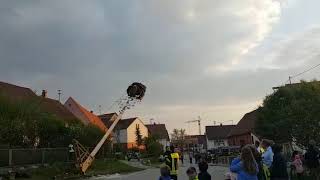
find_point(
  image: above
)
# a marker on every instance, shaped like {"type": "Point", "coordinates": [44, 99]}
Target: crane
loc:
{"type": "Point", "coordinates": [199, 123]}
{"type": "Point", "coordinates": [135, 93]}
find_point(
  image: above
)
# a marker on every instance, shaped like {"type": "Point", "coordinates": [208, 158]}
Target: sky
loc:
{"type": "Point", "coordinates": [211, 58]}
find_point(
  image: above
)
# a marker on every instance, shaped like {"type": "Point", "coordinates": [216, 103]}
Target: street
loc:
{"type": "Point", "coordinates": [217, 173]}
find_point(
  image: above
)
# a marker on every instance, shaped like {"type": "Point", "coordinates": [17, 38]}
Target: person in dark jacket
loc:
{"type": "Point", "coordinates": [203, 167]}
{"type": "Point", "coordinates": [279, 165]}
{"type": "Point", "coordinates": [312, 160]}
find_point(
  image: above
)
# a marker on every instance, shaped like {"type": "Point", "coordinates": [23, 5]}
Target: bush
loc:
{"type": "Point", "coordinates": [25, 124]}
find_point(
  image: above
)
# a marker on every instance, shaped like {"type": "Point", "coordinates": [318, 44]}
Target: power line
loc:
{"type": "Point", "coordinates": [299, 74]}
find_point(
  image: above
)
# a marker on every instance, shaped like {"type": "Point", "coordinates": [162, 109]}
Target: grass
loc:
{"type": "Point", "coordinates": [62, 171]}
{"type": "Point", "coordinates": [111, 167]}
{"type": "Point", "coordinates": [154, 161]}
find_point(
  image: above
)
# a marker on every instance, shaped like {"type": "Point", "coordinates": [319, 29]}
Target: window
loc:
{"type": "Point", "coordinates": [219, 142]}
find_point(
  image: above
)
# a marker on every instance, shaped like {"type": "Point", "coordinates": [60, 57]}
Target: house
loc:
{"type": "Point", "coordinates": [217, 136]}
{"type": "Point", "coordinates": [244, 133]}
{"type": "Point", "coordinates": [110, 117]}
{"type": "Point", "coordinates": [19, 94]}
{"type": "Point", "coordinates": [125, 132]}
{"type": "Point", "coordinates": [159, 131]}
{"type": "Point", "coordinates": [196, 143]}
{"type": "Point", "coordinates": [84, 115]}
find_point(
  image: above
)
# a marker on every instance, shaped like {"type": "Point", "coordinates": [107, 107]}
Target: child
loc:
{"type": "Point", "coordinates": [204, 175]}
{"type": "Point", "coordinates": [165, 173]}
{"type": "Point", "coordinates": [192, 173]}
{"type": "Point", "coordinates": [298, 166]}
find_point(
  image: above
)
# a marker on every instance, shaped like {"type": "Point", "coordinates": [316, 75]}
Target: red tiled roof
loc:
{"type": "Point", "coordinates": [245, 125]}
{"type": "Point", "coordinates": [95, 120]}
{"type": "Point", "coordinates": [56, 108]}
{"type": "Point", "coordinates": [14, 92]}
{"type": "Point", "coordinates": [218, 132]}
{"type": "Point", "coordinates": [17, 93]}
{"type": "Point", "coordinates": [159, 130]}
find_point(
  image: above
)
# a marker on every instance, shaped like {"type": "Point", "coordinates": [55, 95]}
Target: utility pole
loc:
{"type": "Point", "coordinates": [151, 121]}
{"type": "Point", "coordinates": [199, 124]}
{"type": "Point", "coordinates": [59, 94]}
{"type": "Point", "coordinates": [290, 79]}
{"type": "Point", "coordinates": [99, 109]}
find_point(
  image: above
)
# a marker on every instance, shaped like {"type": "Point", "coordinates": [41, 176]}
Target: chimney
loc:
{"type": "Point", "coordinates": [44, 93]}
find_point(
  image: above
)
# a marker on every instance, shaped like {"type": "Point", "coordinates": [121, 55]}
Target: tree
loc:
{"type": "Point", "coordinates": [139, 139]}
{"type": "Point", "coordinates": [153, 147]}
{"type": "Point", "coordinates": [291, 113]}
{"type": "Point", "coordinates": [24, 123]}
{"type": "Point", "coordinates": [178, 137]}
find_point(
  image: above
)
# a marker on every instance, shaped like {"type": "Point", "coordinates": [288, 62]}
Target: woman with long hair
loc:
{"type": "Point", "coordinates": [258, 158]}
{"type": "Point", "coordinates": [245, 166]}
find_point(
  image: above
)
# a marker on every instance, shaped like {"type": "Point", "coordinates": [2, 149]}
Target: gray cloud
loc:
{"type": "Point", "coordinates": [94, 49]}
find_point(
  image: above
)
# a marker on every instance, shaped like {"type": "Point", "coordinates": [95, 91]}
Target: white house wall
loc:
{"type": "Point", "coordinates": [120, 136]}
{"type": "Point", "coordinates": [164, 143]}
{"type": "Point", "coordinates": [131, 131]}
{"type": "Point", "coordinates": [211, 144]}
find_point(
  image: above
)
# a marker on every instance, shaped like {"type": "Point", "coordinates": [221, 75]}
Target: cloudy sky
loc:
{"type": "Point", "coordinates": [211, 58]}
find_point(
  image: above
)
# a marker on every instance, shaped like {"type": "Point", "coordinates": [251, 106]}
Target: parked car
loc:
{"type": "Point", "coordinates": [133, 155]}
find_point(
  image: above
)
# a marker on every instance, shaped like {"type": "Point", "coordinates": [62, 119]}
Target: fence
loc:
{"type": "Point", "coordinates": [20, 157]}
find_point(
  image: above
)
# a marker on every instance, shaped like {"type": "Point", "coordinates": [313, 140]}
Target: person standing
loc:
{"type": "Point", "coordinates": [165, 173]}
{"type": "Point", "coordinates": [203, 167]}
{"type": "Point", "coordinates": [245, 166]}
{"type": "Point", "coordinates": [312, 160]}
{"type": "Point", "coordinates": [190, 157]}
{"type": "Point", "coordinates": [279, 165]}
{"type": "Point", "coordinates": [181, 157]}
{"type": "Point", "coordinates": [267, 157]}
{"type": "Point", "coordinates": [172, 161]}
{"type": "Point", "coordinates": [298, 166]}
{"type": "Point", "coordinates": [258, 158]}
{"type": "Point", "coordinates": [192, 173]}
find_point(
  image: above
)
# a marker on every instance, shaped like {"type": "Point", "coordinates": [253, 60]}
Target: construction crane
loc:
{"type": "Point", "coordinates": [199, 123]}
{"type": "Point", "coordinates": [135, 93]}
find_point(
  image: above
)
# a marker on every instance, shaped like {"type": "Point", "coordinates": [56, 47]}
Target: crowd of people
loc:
{"type": "Point", "coordinates": [169, 170]}
{"type": "Point", "coordinates": [266, 161]}
{"type": "Point", "coordinates": [263, 161]}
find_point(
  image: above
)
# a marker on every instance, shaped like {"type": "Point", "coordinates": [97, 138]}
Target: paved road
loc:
{"type": "Point", "coordinates": [216, 172]}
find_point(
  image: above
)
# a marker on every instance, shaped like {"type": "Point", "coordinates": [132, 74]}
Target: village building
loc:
{"type": "Point", "coordinates": [160, 132]}
{"type": "Point", "coordinates": [124, 132]}
{"type": "Point", "coordinates": [217, 136]}
{"type": "Point", "coordinates": [51, 106]}
{"type": "Point", "coordinates": [244, 132]}
{"type": "Point", "coordinates": [86, 117]}
{"type": "Point", "coordinates": [196, 143]}
{"type": "Point", "coordinates": [109, 117]}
